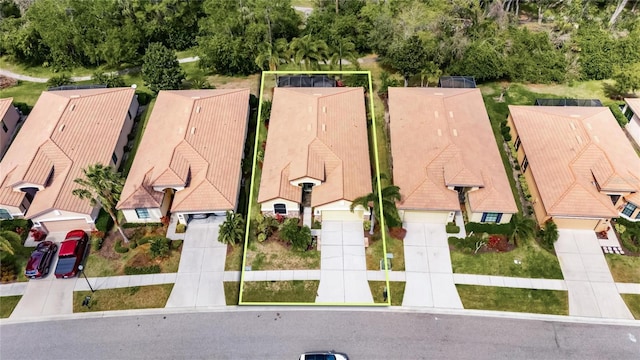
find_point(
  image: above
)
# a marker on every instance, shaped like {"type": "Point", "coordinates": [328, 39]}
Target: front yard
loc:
{"type": "Point", "coordinates": [135, 297]}
{"type": "Point", "coordinates": [274, 255]}
{"type": "Point", "coordinates": [7, 304]}
{"type": "Point", "coordinates": [375, 253]}
{"type": "Point", "coordinates": [296, 291]}
{"type": "Point", "coordinates": [395, 292]}
{"type": "Point", "coordinates": [624, 268]}
{"type": "Point", "coordinates": [517, 300]}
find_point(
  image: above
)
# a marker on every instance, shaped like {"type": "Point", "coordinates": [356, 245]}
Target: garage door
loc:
{"type": "Point", "coordinates": [633, 127]}
{"type": "Point", "coordinates": [342, 215]}
{"type": "Point", "coordinates": [582, 224]}
{"type": "Point", "coordinates": [436, 217]}
{"type": "Point", "coordinates": [66, 225]}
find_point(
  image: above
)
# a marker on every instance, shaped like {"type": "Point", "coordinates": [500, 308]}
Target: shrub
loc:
{"type": "Point", "coordinates": [104, 222]}
{"type": "Point", "coordinates": [24, 108]}
{"type": "Point", "coordinates": [143, 98]}
{"type": "Point", "coordinates": [159, 247]}
{"type": "Point", "coordinates": [8, 269]}
{"type": "Point", "coordinates": [489, 228]}
{"type": "Point", "coordinates": [629, 234]}
{"type": "Point", "coordinates": [262, 237]}
{"type": "Point", "coordinates": [318, 225]}
{"type": "Point", "coordinates": [288, 229]}
{"type": "Point", "coordinates": [452, 228]}
{"type": "Point", "coordinates": [133, 244]}
{"type": "Point", "coordinates": [59, 80]}
{"type": "Point", "coordinates": [366, 225]}
{"type": "Point", "coordinates": [144, 240]}
{"type": "Point", "coordinates": [132, 225]}
{"type": "Point", "coordinates": [548, 234]}
{"type": "Point", "coordinates": [181, 228]}
{"type": "Point", "coordinates": [175, 244]}
{"type": "Point", "coordinates": [302, 239]}
{"type": "Point", "coordinates": [97, 238]}
{"type": "Point", "coordinates": [132, 270]}
{"type": "Point", "coordinates": [397, 233]}
{"type": "Point", "coordinates": [119, 248]}
{"type": "Point", "coordinates": [620, 118]}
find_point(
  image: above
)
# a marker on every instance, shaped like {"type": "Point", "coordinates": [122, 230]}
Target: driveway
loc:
{"type": "Point", "coordinates": [200, 277]}
{"type": "Point", "coordinates": [343, 265]}
{"type": "Point", "coordinates": [48, 296]}
{"type": "Point", "coordinates": [429, 277]}
{"type": "Point", "coordinates": [592, 291]}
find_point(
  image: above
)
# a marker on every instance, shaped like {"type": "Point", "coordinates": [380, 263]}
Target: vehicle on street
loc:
{"type": "Point", "coordinates": [40, 261]}
{"type": "Point", "coordinates": [72, 251]}
{"type": "Point", "coordinates": [323, 355]}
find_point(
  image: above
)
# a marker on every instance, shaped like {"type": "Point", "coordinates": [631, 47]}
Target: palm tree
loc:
{"type": "Point", "coordinates": [344, 49]}
{"type": "Point", "coordinates": [273, 54]}
{"type": "Point", "coordinates": [232, 229]}
{"type": "Point", "coordinates": [307, 51]}
{"type": "Point", "coordinates": [390, 194]}
{"type": "Point", "coordinates": [524, 228]}
{"type": "Point", "coordinates": [5, 243]}
{"type": "Point", "coordinates": [102, 185]}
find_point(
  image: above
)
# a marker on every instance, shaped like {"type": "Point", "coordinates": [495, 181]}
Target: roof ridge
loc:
{"type": "Point", "coordinates": [146, 176]}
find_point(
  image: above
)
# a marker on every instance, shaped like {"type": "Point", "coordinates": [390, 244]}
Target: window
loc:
{"type": "Point", "coordinates": [114, 158]}
{"type": "Point", "coordinates": [491, 217]}
{"type": "Point", "coordinates": [4, 126]}
{"type": "Point", "coordinates": [614, 199]}
{"type": "Point", "coordinates": [517, 143]}
{"type": "Point", "coordinates": [4, 215]}
{"type": "Point", "coordinates": [629, 209]}
{"type": "Point", "coordinates": [142, 213]}
{"type": "Point", "coordinates": [628, 113]}
{"type": "Point", "coordinates": [525, 164]}
{"type": "Point", "coordinates": [280, 209]}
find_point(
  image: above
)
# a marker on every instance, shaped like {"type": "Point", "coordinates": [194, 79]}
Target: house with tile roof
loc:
{"type": "Point", "coordinates": [579, 167]}
{"type": "Point", "coordinates": [189, 159]}
{"type": "Point", "coordinates": [631, 111]}
{"type": "Point", "coordinates": [9, 118]}
{"type": "Point", "coordinates": [445, 157]}
{"type": "Point", "coordinates": [66, 131]}
{"type": "Point", "coordinates": [317, 153]}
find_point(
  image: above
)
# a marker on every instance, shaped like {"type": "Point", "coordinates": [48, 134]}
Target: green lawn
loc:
{"type": "Point", "coordinates": [99, 266]}
{"type": "Point", "coordinates": [7, 304]}
{"type": "Point", "coordinates": [136, 297]}
{"type": "Point", "coordinates": [375, 253]}
{"type": "Point", "coordinates": [40, 71]}
{"type": "Point", "coordinates": [396, 294]}
{"type": "Point", "coordinates": [633, 303]}
{"type": "Point", "coordinates": [296, 291]}
{"type": "Point", "coordinates": [139, 132]}
{"type": "Point", "coordinates": [516, 300]}
{"type": "Point", "coordinates": [535, 262]}
{"type": "Point", "coordinates": [231, 292]}
{"type": "Point", "coordinates": [272, 255]}
{"type": "Point", "coordinates": [625, 269]}
{"type": "Point", "coordinates": [24, 92]}
{"type": "Point", "coordinates": [186, 53]}
{"type": "Point", "coordinates": [234, 259]}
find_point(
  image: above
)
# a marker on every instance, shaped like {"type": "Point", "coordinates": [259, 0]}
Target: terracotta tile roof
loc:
{"type": "Point", "coordinates": [65, 132]}
{"type": "Point", "coordinates": [5, 104]}
{"type": "Point", "coordinates": [572, 150]}
{"type": "Point", "coordinates": [194, 138]}
{"type": "Point", "coordinates": [634, 104]}
{"type": "Point", "coordinates": [442, 137]}
{"type": "Point", "coordinates": [320, 133]}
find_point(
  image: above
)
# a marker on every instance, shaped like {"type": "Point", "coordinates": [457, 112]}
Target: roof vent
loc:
{"type": "Point", "coordinates": [73, 106]}
{"type": "Point", "coordinates": [197, 109]}
{"type": "Point", "coordinates": [579, 139]}
{"type": "Point", "coordinates": [451, 114]}
{"type": "Point", "coordinates": [61, 128]}
{"type": "Point", "coordinates": [324, 127]}
{"type": "Point", "coordinates": [193, 130]}
{"type": "Point", "coordinates": [589, 126]}
{"type": "Point", "coordinates": [439, 132]}
{"type": "Point", "coordinates": [596, 138]}
{"type": "Point", "coordinates": [573, 126]}
{"type": "Point", "coordinates": [74, 96]}
{"type": "Point", "coordinates": [435, 113]}
{"type": "Point", "coordinates": [324, 109]}
{"type": "Point", "coordinates": [455, 132]}
{"type": "Point", "coordinates": [438, 93]}
{"type": "Point", "coordinates": [195, 97]}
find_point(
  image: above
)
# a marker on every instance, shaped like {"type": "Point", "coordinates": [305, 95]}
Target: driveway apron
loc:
{"type": "Point", "coordinates": [343, 268]}
{"type": "Point", "coordinates": [592, 291]}
{"type": "Point", "coordinates": [429, 277]}
{"type": "Point", "coordinates": [48, 296]}
{"type": "Point", "coordinates": [200, 277]}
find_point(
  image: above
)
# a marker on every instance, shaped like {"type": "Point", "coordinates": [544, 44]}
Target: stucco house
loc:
{"type": "Point", "coordinates": [317, 154]}
{"type": "Point", "coordinates": [66, 131]}
{"type": "Point", "coordinates": [9, 118]}
{"type": "Point", "coordinates": [445, 157]}
{"type": "Point", "coordinates": [580, 168]}
{"type": "Point", "coordinates": [631, 111]}
{"type": "Point", "coordinates": [189, 159]}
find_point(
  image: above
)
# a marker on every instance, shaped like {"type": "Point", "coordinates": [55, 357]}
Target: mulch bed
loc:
{"type": "Point", "coordinates": [6, 82]}
{"type": "Point", "coordinates": [497, 244]}
{"type": "Point", "coordinates": [109, 243]}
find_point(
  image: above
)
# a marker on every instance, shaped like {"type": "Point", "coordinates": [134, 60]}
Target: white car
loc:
{"type": "Point", "coordinates": [323, 355]}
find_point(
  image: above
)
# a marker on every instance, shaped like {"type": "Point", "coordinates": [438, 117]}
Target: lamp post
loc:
{"type": "Point", "coordinates": [80, 267]}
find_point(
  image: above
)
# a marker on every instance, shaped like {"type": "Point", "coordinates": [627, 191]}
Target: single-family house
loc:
{"type": "Point", "coordinates": [189, 159]}
{"type": "Point", "coordinates": [445, 157]}
{"type": "Point", "coordinates": [66, 132]}
{"type": "Point", "coordinates": [579, 167]}
{"type": "Point", "coordinates": [9, 118]}
{"type": "Point", "coordinates": [317, 154]}
{"type": "Point", "coordinates": [631, 111]}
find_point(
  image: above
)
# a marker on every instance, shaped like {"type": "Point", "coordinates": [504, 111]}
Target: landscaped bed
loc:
{"type": "Point", "coordinates": [295, 291]}
{"type": "Point", "coordinates": [633, 303]}
{"type": "Point", "coordinates": [7, 304]}
{"type": "Point", "coordinates": [624, 268]}
{"type": "Point", "coordinates": [396, 294]}
{"type": "Point", "coordinates": [552, 302]}
{"type": "Point", "coordinates": [276, 255]}
{"type": "Point", "coordinates": [135, 297]}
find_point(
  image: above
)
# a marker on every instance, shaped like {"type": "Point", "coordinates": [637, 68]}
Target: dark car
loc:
{"type": "Point", "coordinates": [72, 251]}
{"type": "Point", "coordinates": [323, 355]}
{"type": "Point", "coordinates": [40, 260]}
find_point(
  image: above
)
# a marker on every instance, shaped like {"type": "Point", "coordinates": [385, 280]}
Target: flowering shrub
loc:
{"type": "Point", "coordinates": [38, 235]}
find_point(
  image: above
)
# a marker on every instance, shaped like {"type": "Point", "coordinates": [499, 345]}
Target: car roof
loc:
{"type": "Point", "coordinates": [68, 247]}
{"type": "Point", "coordinates": [75, 234]}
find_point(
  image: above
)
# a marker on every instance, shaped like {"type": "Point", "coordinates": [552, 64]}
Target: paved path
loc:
{"type": "Point", "coordinates": [429, 277]}
{"type": "Point", "coordinates": [343, 274]}
{"type": "Point", "coordinates": [200, 277]}
{"type": "Point", "coordinates": [592, 291]}
{"type": "Point", "coordinates": [511, 282]}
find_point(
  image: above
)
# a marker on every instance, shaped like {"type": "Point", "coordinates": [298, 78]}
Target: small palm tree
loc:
{"type": "Point", "coordinates": [273, 55]}
{"type": "Point", "coordinates": [310, 52]}
{"type": "Point", "coordinates": [344, 49]}
{"type": "Point", "coordinates": [102, 185]}
{"type": "Point", "coordinates": [390, 194]}
{"type": "Point", "coordinates": [232, 229]}
{"type": "Point", "coordinates": [5, 243]}
{"type": "Point", "coordinates": [524, 228]}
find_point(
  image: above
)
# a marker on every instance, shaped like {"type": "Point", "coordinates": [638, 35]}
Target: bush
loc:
{"type": "Point", "coordinates": [131, 225]}
{"type": "Point", "coordinates": [59, 80]}
{"type": "Point", "coordinates": [477, 228]}
{"type": "Point", "coordinates": [366, 225]}
{"type": "Point", "coordinates": [19, 226]}
{"type": "Point", "coordinates": [104, 222]}
{"type": "Point", "coordinates": [133, 244]}
{"type": "Point", "coordinates": [397, 233]}
{"type": "Point", "coordinates": [131, 270]}
{"type": "Point", "coordinates": [302, 239]}
{"type": "Point", "coordinates": [629, 234]}
{"type": "Point", "coordinates": [288, 229]}
{"type": "Point", "coordinates": [181, 228]}
{"type": "Point", "coordinates": [97, 238]}
{"type": "Point", "coordinates": [620, 118]}
{"type": "Point", "coordinates": [318, 225]}
{"type": "Point", "coordinates": [119, 248]}
{"type": "Point", "coordinates": [175, 244]}
{"type": "Point", "coordinates": [8, 269]}
{"type": "Point", "coordinates": [24, 108]}
{"type": "Point", "coordinates": [143, 98]}
{"type": "Point", "coordinates": [159, 247]}
{"type": "Point", "coordinates": [452, 228]}
{"type": "Point", "coordinates": [548, 234]}
{"type": "Point", "coordinates": [144, 240]}
{"type": "Point", "coordinates": [262, 237]}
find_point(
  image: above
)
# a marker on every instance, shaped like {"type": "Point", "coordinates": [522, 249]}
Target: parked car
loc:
{"type": "Point", "coordinates": [40, 260]}
{"type": "Point", "coordinates": [323, 355]}
{"type": "Point", "coordinates": [72, 251]}
{"type": "Point", "coordinates": [199, 216]}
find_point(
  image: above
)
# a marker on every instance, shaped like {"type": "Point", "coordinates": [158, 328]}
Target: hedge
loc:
{"type": "Point", "coordinates": [104, 222]}
{"type": "Point", "coordinates": [489, 228]}
{"type": "Point", "coordinates": [131, 270]}
{"type": "Point", "coordinates": [119, 248]}
{"type": "Point", "coordinates": [131, 225]}
{"type": "Point", "coordinates": [452, 228]}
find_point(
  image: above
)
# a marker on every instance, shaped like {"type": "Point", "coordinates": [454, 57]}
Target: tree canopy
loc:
{"type": "Point", "coordinates": [160, 68]}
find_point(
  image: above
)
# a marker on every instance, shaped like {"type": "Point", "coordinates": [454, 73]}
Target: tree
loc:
{"type": "Point", "coordinates": [160, 68]}
{"type": "Point", "coordinates": [298, 237]}
{"type": "Point", "coordinates": [112, 80]}
{"type": "Point", "coordinates": [524, 228]}
{"type": "Point", "coordinates": [59, 80]}
{"type": "Point", "coordinates": [102, 185]}
{"type": "Point", "coordinates": [627, 79]}
{"type": "Point", "coordinates": [617, 11]}
{"type": "Point", "coordinates": [232, 229]}
{"type": "Point", "coordinates": [343, 49]}
{"type": "Point", "coordinates": [390, 194]}
{"type": "Point", "coordinates": [408, 57]}
{"type": "Point", "coordinates": [309, 52]}
{"type": "Point", "coordinates": [6, 247]}
{"type": "Point", "coordinates": [549, 234]}
{"type": "Point", "coordinates": [273, 55]}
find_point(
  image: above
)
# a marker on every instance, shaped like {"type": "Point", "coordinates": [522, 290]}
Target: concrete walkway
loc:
{"type": "Point", "coordinates": [511, 282]}
{"type": "Point", "coordinates": [592, 291]}
{"type": "Point", "coordinates": [343, 274]}
{"type": "Point", "coordinates": [429, 277]}
{"type": "Point", "coordinates": [200, 277]}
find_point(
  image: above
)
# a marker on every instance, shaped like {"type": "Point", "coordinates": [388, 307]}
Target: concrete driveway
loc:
{"type": "Point", "coordinates": [47, 296]}
{"type": "Point", "coordinates": [429, 277]}
{"type": "Point", "coordinates": [343, 265]}
{"type": "Point", "coordinates": [200, 277]}
{"type": "Point", "coordinates": [592, 291]}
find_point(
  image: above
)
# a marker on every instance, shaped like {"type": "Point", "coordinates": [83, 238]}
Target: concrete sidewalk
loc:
{"type": "Point", "coordinates": [511, 282]}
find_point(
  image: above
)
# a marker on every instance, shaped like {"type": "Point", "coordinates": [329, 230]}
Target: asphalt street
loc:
{"type": "Point", "coordinates": [284, 334]}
